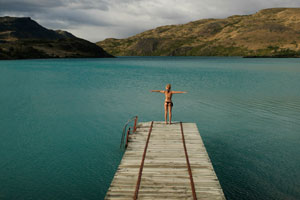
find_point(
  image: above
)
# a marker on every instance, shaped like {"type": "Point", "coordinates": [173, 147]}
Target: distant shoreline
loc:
{"type": "Point", "coordinates": [67, 58]}
{"type": "Point", "coordinates": [275, 56]}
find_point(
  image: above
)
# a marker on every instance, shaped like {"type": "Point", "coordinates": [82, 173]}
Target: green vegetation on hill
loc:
{"type": "Point", "coordinates": [271, 32]}
{"type": "Point", "coordinates": [23, 38]}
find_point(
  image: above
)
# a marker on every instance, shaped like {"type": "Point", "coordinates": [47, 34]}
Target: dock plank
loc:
{"type": "Point", "coordinates": [165, 174]}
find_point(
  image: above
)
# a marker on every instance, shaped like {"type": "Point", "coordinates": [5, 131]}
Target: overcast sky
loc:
{"type": "Point", "coordinates": [96, 20]}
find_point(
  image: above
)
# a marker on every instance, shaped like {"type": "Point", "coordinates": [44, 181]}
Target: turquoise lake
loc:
{"type": "Point", "coordinates": [61, 121]}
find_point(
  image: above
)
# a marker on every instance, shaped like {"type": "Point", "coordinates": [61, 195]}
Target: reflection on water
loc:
{"type": "Point", "coordinates": [61, 121]}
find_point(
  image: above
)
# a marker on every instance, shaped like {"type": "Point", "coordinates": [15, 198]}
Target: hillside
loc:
{"type": "Point", "coordinates": [271, 32]}
{"type": "Point", "coordinates": [23, 38]}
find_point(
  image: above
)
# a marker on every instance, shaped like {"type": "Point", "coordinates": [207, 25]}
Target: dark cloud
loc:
{"type": "Point", "coordinates": [99, 19]}
{"type": "Point", "coordinates": [42, 5]}
{"type": "Point", "coordinates": [63, 13]}
{"type": "Point", "coordinates": [28, 6]}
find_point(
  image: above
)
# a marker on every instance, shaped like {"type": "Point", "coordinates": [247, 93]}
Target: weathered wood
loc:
{"type": "Point", "coordinates": [165, 174]}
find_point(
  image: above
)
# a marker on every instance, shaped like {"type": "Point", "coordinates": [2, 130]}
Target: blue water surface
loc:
{"type": "Point", "coordinates": [61, 121]}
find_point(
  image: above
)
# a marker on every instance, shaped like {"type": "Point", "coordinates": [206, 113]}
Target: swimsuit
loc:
{"type": "Point", "coordinates": [169, 102]}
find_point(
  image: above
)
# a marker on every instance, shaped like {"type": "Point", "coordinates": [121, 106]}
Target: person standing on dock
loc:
{"type": "Point", "coordinates": [168, 101]}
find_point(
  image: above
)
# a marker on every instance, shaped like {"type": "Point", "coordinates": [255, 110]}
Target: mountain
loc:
{"type": "Point", "coordinates": [23, 38]}
{"type": "Point", "coordinates": [273, 32]}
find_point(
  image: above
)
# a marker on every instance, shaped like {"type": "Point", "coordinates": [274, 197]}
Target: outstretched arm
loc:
{"type": "Point", "coordinates": [178, 92]}
{"type": "Point", "coordinates": [161, 91]}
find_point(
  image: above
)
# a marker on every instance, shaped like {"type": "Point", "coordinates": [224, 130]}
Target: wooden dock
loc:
{"type": "Point", "coordinates": [155, 165]}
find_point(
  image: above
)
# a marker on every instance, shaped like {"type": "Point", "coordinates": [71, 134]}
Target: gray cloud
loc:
{"type": "Point", "coordinates": [28, 6]}
{"type": "Point", "coordinates": [99, 19]}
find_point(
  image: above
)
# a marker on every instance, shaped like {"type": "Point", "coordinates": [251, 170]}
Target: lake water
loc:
{"type": "Point", "coordinates": [61, 121]}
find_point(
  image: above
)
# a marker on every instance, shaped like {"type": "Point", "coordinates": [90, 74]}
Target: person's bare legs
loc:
{"type": "Point", "coordinates": [166, 113]}
{"type": "Point", "coordinates": [170, 113]}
